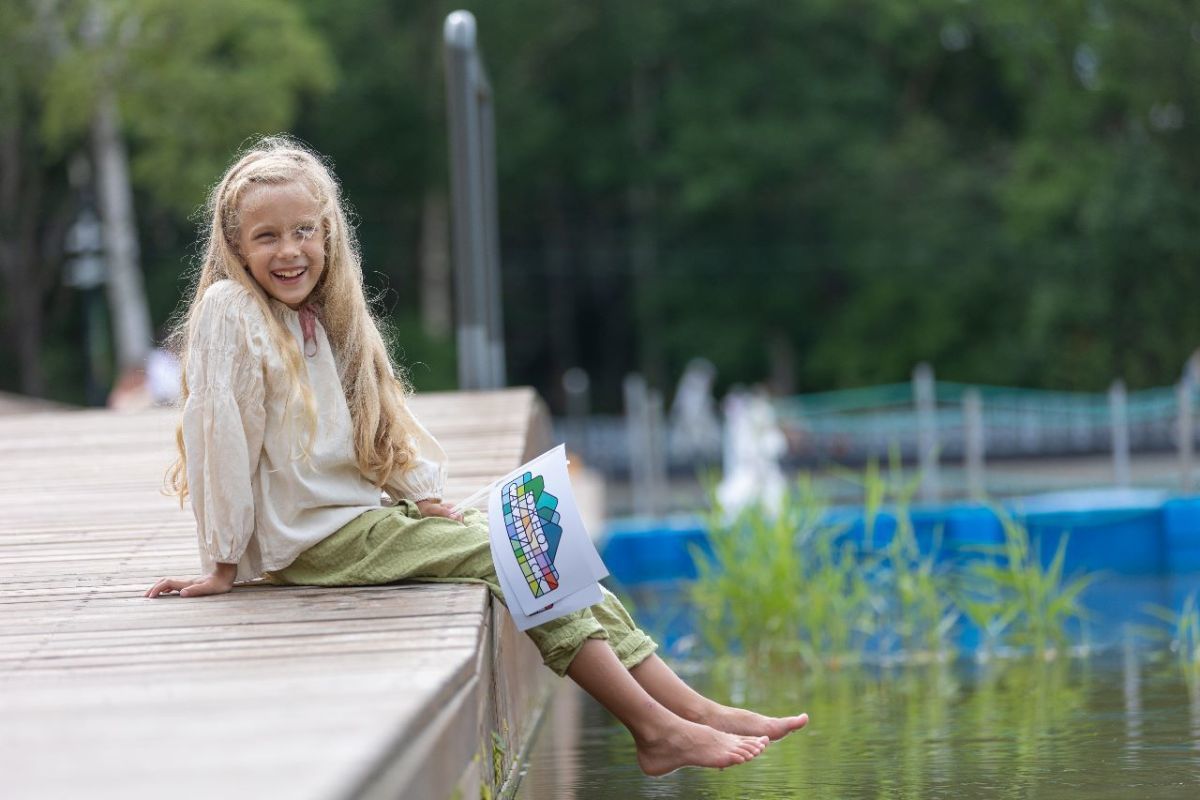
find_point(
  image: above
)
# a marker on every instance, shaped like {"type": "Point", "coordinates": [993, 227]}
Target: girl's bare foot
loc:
{"type": "Point", "coordinates": [689, 744]}
{"type": "Point", "coordinates": [748, 723]}
{"type": "Point", "coordinates": [661, 682]}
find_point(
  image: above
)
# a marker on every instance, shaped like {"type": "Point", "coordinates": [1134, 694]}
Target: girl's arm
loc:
{"type": "Point", "coordinates": [219, 582]}
{"type": "Point", "coordinates": [424, 480]}
{"type": "Point", "coordinates": [223, 427]}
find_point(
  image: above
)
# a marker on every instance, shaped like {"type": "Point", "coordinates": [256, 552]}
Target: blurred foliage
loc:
{"type": "Point", "coordinates": [192, 79]}
{"type": "Point", "coordinates": [1006, 190]}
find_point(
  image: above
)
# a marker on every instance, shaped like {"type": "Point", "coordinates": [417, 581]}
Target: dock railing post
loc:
{"type": "Point", "coordinates": [925, 399]}
{"type": "Point", "coordinates": [1119, 421]}
{"type": "Point", "coordinates": [576, 385]}
{"type": "Point", "coordinates": [657, 452]}
{"type": "Point", "coordinates": [1183, 394]}
{"type": "Point", "coordinates": [1186, 429]}
{"type": "Point", "coordinates": [475, 225]}
{"type": "Point", "coordinates": [647, 456]}
{"type": "Point", "coordinates": [974, 443]}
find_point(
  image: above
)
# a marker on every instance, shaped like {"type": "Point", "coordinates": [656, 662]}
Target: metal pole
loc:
{"type": "Point", "coordinates": [491, 227]}
{"type": "Point", "coordinates": [1119, 421]}
{"type": "Point", "coordinates": [473, 188]}
{"type": "Point", "coordinates": [927, 443]}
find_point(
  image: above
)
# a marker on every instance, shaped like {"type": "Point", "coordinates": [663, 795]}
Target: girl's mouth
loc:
{"type": "Point", "coordinates": [289, 276]}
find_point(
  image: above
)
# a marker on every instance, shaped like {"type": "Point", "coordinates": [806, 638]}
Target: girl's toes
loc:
{"type": "Point", "coordinates": [751, 747]}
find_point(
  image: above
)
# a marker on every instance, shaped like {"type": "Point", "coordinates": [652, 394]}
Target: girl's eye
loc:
{"type": "Point", "coordinates": [265, 237]}
{"type": "Point", "coordinates": [306, 230]}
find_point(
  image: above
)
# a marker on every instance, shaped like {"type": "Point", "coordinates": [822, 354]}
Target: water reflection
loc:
{"type": "Point", "coordinates": [1133, 698]}
{"type": "Point", "coordinates": [1119, 726]}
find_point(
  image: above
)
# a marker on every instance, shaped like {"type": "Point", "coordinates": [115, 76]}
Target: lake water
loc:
{"type": "Point", "coordinates": [1122, 723]}
{"type": "Point", "coordinates": [1125, 724]}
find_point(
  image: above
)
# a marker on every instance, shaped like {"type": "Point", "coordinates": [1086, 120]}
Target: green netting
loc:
{"type": "Point", "coordinates": [889, 409]}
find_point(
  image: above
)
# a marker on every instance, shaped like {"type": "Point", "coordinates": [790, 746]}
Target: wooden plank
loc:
{"type": "Point", "coordinates": [289, 691]}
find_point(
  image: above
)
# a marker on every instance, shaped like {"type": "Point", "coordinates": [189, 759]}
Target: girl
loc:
{"type": "Point", "coordinates": [294, 422]}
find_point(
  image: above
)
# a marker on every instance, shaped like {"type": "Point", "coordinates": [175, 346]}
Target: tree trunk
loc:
{"type": "Point", "coordinates": [126, 293]}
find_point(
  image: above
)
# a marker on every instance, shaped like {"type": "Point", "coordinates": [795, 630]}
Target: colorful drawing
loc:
{"type": "Point", "coordinates": [531, 518]}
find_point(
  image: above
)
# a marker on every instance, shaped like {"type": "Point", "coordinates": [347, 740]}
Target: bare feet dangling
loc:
{"type": "Point", "coordinates": [748, 723]}
{"type": "Point", "coordinates": [661, 682]}
{"type": "Point", "coordinates": [689, 744]}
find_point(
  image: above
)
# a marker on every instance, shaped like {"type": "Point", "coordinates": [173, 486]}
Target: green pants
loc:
{"type": "Point", "coordinates": [393, 544]}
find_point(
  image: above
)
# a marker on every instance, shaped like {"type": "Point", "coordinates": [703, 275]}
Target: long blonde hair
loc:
{"type": "Point", "coordinates": [375, 389]}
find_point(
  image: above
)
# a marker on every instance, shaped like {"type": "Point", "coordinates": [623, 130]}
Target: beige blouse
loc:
{"type": "Point", "coordinates": [259, 501]}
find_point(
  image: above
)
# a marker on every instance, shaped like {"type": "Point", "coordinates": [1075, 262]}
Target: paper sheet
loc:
{"type": "Point", "coordinates": [543, 554]}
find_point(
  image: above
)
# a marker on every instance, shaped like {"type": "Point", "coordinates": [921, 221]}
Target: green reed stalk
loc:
{"type": "Point", "coordinates": [1185, 631]}
{"type": "Point", "coordinates": [1016, 600]}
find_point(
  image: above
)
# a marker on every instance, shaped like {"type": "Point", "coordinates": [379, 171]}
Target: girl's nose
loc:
{"type": "Point", "coordinates": [290, 246]}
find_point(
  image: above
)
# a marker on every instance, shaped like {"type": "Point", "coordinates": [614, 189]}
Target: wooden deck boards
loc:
{"type": "Point", "coordinates": [294, 692]}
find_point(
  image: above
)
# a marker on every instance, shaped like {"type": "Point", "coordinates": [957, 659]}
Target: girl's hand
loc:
{"type": "Point", "coordinates": [435, 508]}
{"type": "Point", "coordinates": [220, 582]}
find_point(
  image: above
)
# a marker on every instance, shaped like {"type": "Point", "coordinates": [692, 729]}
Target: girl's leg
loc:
{"type": "Point", "coordinates": [394, 544]}
{"type": "Point", "coordinates": [661, 683]}
{"type": "Point", "coordinates": [636, 651]}
{"type": "Point", "coordinates": [665, 741]}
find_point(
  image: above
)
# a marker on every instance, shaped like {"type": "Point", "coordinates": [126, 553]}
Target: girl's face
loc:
{"type": "Point", "coordinates": [282, 241]}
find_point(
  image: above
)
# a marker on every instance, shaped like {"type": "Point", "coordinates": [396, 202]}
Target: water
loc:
{"type": "Point", "coordinates": [1125, 724]}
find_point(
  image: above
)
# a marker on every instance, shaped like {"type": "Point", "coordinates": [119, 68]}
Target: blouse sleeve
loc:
{"type": "Point", "coordinates": [223, 422]}
{"type": "Point", "coordinates": [425, 477]}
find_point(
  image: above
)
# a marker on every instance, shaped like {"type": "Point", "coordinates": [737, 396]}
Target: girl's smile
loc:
{"type": "Point", "coordinates": [282, 242]}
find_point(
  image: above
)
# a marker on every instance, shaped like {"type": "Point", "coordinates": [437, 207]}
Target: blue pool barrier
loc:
{"type": "Point", "coordinates": [1126, 532]}
{"type": "Point", "coordinates": [1181, 532]}
{"type": "Point", "coordinates": [636, 550]}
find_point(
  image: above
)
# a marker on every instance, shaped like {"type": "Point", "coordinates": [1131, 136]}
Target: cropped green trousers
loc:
{"type": "Point", "coordinates": [398, 543]}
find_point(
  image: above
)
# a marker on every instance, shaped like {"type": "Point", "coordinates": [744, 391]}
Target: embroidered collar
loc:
{"type": "Point", "coordinates": [309, 314]}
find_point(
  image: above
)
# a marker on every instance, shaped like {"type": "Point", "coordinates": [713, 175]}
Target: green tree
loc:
{"type": "Point", "coordinates": [819, 193]}
{"type": "Point", "coordinates": [179, 84]}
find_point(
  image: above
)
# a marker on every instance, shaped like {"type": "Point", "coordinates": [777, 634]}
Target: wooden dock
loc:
{"type": "Point", "coordinates": [408, 691]}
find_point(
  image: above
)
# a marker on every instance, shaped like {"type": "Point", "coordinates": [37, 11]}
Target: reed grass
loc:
{"type": "Point", "coordinates": [793, 584]}
{"type": "Point", "coordinates": [1184, 631]}
{"type": "Point", "coordinates": [1016, 601]}
{"type": "Point", "coordinates": [779, 585]}
{"type": "Point", "coordinates": [911, 588]}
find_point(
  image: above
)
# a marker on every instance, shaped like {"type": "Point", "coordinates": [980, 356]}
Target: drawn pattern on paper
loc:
{"type": "Point", "coordinates": [531, 518]}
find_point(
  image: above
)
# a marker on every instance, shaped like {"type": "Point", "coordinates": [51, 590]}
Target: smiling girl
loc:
{"type": "Point", "coordinates": [294, 422]}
